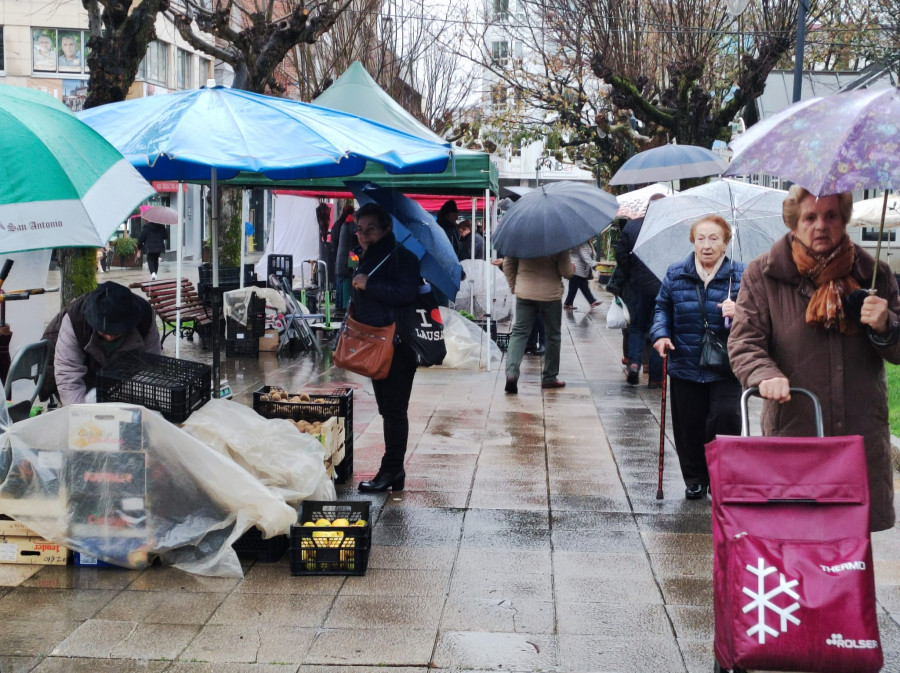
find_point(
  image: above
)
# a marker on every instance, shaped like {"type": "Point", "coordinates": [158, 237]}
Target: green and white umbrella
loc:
{"type": "Point", "coordinates": [61, 183]}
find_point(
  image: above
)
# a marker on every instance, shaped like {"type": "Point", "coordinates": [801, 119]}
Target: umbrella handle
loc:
{"type": "Point", "coordinates": [878, 247]}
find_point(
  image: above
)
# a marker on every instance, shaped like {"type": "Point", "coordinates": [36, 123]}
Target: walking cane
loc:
{"type": "Point", "coordinates": [662, 425]}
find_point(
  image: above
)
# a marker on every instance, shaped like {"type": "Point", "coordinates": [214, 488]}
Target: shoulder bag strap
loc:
{"type": "Point", "coordinates": [702, 306]}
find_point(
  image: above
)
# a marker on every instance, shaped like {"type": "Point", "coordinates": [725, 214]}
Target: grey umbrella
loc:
{"type": "Point", "coordinates": [669, 162]}
{"type": "Point", "coordinates": [553, 218]}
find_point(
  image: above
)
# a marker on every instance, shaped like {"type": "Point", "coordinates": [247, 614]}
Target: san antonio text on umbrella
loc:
{"type": "Point", "coordinates": [12, 228]}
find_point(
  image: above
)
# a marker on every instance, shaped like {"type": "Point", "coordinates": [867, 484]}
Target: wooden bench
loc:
{"type": "Point", "coordinates": [194, 318]}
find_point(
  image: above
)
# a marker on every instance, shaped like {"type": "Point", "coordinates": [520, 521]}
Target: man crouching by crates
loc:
{"type": "Point", "coordinates": [93, 331]}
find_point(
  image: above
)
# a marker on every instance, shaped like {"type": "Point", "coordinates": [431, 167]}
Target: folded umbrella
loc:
{"type": "Point", "coordinates": [419, 233]}
{"type": "Point", "coordinates": [554, 218]}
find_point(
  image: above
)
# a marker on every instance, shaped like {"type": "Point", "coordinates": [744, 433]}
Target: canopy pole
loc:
{"type": "Point", "coordinates": [489, 214]}
{"type": "Point", "coordinates": [474, 228]}
{"type": "Point", "coordinates": [245, 217]}
{"type": "Point", "coordinates": [179, 237]}
{"type": "Point", "coordinates": [215, 297]}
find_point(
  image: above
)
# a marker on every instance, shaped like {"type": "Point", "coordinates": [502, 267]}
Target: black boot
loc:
{"type": "Point", "coordinates": [384, 481]}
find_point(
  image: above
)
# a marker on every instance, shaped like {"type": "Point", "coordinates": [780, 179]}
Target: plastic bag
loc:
{"type": "Point", "coordinates": [289, 462]}
{"type": "Point", "coordinates": [468, 346]}
{"type": "Point", "coordinates": [617, 317]}
{"type": "Point", "coordinates": [121, 483]}
{"type": "Point", "coordinates": [472, 296]}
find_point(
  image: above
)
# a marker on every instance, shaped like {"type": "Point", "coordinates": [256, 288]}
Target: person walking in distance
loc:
{"type": "Point", "coordinates": [644, 286]}
{"type": "Point", "coordinates": [152, 241]}
{"type": "Point", "coordinates": [537, 284]}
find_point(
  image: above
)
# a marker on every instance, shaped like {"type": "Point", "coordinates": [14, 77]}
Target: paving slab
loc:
{"type": "Point", "coordinates": [529, 539]}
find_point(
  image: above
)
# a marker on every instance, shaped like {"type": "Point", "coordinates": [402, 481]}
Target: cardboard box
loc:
{"type": "Point", "coordinates": [32, 551]}
{"type": "Point", "coordinates": [12, 528]}
{"type": "Point", "coordinates": [105, 428]}
{"type": "Point", "coordinates": [268, 342]}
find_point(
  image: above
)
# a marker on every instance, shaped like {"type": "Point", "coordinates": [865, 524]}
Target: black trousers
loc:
{"type": "Point", "coordinates": [700, 411]}
{"type": "Point", "coordinates": [579, 283]}
{"type": "Point", "coordinates": [153, 262]}
{"type": "Point", "coordinates": [392, 395]}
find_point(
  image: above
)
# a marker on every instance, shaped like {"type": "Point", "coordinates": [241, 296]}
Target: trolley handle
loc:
{"type": "Point", "coordinates": [754, 391]}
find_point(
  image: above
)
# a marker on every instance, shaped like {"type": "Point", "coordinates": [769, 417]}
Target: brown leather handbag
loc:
{"type": "Point", "coordinates": [365, 350]}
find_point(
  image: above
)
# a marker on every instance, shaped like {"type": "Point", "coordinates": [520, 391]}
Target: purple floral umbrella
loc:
{"type": "Point", "coordinates": [828, 145]}
{"type": "Point", "coordinates": [839, 143]}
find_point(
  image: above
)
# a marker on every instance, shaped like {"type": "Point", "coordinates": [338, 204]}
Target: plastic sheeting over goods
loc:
{"type": "Point", "coordinates": [122, 484]}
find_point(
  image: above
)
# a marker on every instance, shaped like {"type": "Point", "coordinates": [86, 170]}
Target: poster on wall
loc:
{"type": "Point", "coordinates": [44, 49]}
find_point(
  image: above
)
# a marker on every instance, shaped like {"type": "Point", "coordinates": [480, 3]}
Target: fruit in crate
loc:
{"type": "Point", "coordinates": [361, 522]}
{"type": "Point", "coordinates": [321, 523]}
{"type": "Point", "coordinates": [277, 394]}
{"type": "Point", "coordinates": [340, 522]}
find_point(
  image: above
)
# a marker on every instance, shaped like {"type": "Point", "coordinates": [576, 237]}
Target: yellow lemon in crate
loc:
{"type": "Point", "coordinates": [323, 522]}
{"type": "Point", "coordinates": [340, 522]}
{"type": "Point", "coordinates": [361, 522]}
{"type": "Point", "coordinates": [309, 524]}
{"type": "Point", "coordinates": [328, 538]}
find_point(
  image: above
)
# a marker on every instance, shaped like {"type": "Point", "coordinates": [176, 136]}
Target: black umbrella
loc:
{"type": "Point", "coordinates": [553, 218]}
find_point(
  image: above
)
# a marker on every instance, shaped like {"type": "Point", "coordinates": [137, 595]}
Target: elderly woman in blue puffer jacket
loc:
{"type": "Point", "coordinates": [704, 403]}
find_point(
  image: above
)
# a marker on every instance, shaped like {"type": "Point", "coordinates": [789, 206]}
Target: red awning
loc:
{"type": "Point", "coordinates": [430, 203]}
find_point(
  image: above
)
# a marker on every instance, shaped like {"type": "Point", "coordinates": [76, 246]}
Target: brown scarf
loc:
{"type": "Point", "coordinates": [831, 275]}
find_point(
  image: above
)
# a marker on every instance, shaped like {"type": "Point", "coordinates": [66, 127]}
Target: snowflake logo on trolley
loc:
{"type": "Point", "coordinates": [762, 601]}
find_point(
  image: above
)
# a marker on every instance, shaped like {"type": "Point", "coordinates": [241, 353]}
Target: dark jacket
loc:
{"type": "Point", "coordinates": [152, 238]}
{"type": "Point", "coordinates": [391, 289]}
{"type": "Point", "coordinates": [452, 232]}
{"type": "Point", "coordinates": [465, 246]}
{"type": "Point", "coordinates": [631, 268]}
{"type": "Point", "coordinates": [346, 243]}
{"type": "Point", "coordinates": [678, 314]}
{"type": "Point", "coordinates": [771, 339]}
{"type": "Point", "coordinates": [78, 352]}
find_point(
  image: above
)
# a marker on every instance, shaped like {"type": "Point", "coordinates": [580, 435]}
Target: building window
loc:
{"type": "Point", "coordinates": [2, 62]}
{"type": "Point", "coordinates": [871, 234]}
{"type": "Point", "coordinates": [57, 51]}
{"type": "Point", "coordinates": [155, 66]}
{"type": "Point", "coordinates": [498, 96]}
{"type": "Point", "coordinates": [499, 51]}
{"type": "Point", "coordinates": [501, 9]}
{"type": "Point", "coordinates": [206, 70]}
{"type": "Point", "coordinates": [183, 70]}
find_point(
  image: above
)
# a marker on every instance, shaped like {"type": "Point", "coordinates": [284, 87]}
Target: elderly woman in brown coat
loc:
{"type": "Point", "coordinates": [794, 326]}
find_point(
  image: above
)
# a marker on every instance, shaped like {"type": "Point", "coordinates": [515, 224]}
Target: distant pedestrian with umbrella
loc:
{"type": "Point", "coordinates": [152, 239]}
{"type": "Point", "coordinates": [535, 237]}
{"type": "Point", "coordinates": [537, 284]}
{"type": "Point", "coordinates": [644, 286]}
{"type": "Point", "coordinates": [797, 324]}
{"type": "Point", "coordinates": [698, 294]}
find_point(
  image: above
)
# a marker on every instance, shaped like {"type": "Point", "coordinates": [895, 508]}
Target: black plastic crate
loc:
{"type": "Point", "coordinates": [173, 387]}
{"type": "Point", "coordinates": [242, 345]}
{"type": "Point", "coordinates": [229, 279]}
{"type": "Point", "coordinates": [338, 402]}
{"type": "Point", "coordinates": [252, 545]}
{"type": "Point", "coordinates": [482, 323]}
{"type": "Point", "coordinates": [280, 266]}
{"type": "Point", "coordinates": [331, 550]}
{"type": "Point", "coordinates": [502, 340]}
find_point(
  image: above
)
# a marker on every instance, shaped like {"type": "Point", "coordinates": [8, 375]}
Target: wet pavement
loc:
{"type": "Point", "coordinates": [529, 538]}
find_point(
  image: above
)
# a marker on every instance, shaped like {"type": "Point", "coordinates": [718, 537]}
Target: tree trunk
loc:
{"type": "Point", "coordinates": [77, 272]}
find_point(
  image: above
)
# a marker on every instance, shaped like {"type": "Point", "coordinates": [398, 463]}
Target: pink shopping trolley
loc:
{"type": "Point", "coordinates": [793, 583]}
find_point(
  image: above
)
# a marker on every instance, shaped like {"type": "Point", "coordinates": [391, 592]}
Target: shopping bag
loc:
{"type": "Point", "coordinates": [427, 334]}
{"type": "Point", "coordinates": [365, 350]}
{"type": "Point", "coordinates": [617, 316]}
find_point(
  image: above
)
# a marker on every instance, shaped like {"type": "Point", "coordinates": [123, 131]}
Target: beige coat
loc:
{"type": "Point", "coordinates": [538, 279]}
{"type": "Point", "coordinates": [770, 338]}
